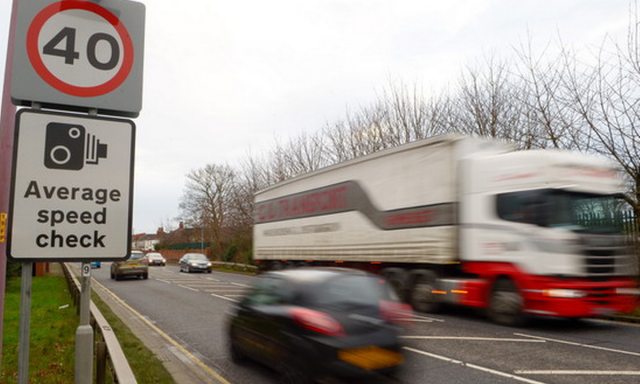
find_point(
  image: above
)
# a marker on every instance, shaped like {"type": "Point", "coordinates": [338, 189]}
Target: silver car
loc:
{"type": "Point", "coordinates": [193, 262]}
{"type": "Point", "coordinates": [156, 258]}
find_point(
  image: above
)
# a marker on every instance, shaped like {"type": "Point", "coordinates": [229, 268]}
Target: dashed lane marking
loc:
{"type": "Point", "coordinates": [473, 366]}
{"type": "Point", "coordinates": [575, 372]}
{"type": "Point", "coordinates": [224, 298]}
{"type": "Point", "coordinates": [580, 344]}
{"type": "Point", "coordinates": [471, 339]}
{"type": "Point", "coordinates": [189, 288]}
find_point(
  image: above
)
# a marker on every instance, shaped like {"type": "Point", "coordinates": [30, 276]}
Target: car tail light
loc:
{"type": "Point", "coordinates": [396, 312]}
{"type": "Point", "coordinates": [317, 322]}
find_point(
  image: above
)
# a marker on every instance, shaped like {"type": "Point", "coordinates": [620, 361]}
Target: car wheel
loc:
{"type": "Point", "coordinates": [422, 297]}
{"type": "Point", "coordinates": [506, 303]}
{"type": "Point", "coordinates": [145, 276]}
{"type": "Point", "coordinates": [118, 277]}
{"type": "Point", "coordinates": [112, 275]}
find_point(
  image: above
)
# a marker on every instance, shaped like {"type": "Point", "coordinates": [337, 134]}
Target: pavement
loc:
{"type": "Point", "coordinates": [183, 367]}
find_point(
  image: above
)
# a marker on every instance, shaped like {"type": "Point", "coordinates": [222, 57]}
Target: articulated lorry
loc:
{"type": "Point", "coordinates": [462, 220]}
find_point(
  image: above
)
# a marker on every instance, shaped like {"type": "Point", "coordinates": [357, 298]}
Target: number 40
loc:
{"type": "Point", "coordinates": [70, 54]}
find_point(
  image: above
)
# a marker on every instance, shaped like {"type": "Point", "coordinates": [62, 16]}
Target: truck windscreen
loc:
{"type": "Point", "coordinates": [580, 212]}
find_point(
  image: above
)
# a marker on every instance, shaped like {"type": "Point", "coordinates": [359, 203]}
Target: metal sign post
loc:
{"type": "Point", "coordinates": [84, 333]}
{"type": "Point", "coordinates": [25, 323]}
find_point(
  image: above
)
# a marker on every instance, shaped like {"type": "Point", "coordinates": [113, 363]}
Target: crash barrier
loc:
{"type": "Point", "coordinates": [109, 354]}
{"type": "Point", "coordinates": [236, 266]}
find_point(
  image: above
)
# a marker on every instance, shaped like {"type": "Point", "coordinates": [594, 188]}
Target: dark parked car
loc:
{"type": "Point", "coordinates": [137, 265]}
{"type": "Point", "coordinates": [192, 262]}
{"type": "Point", "coordinates": [309, 323]}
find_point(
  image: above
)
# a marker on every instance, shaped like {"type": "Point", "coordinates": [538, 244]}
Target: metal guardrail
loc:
{"type": "Point", "coordinates": [109, 353]}
{"type": "Point", "coordinates": [235, 265]}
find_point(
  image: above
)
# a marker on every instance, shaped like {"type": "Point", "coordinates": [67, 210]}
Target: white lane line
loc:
{"type": "Point", "coordinates": [211, 278]}
{"type": "Point", "coordinates": [471, 339]}
{"type": "Point", "coordinates": [428, 318]}
{"type": "Point", "coordinates": [580, 344]}
{"type": "Point", "coordinates": [224, 298]}
{"type": "Point", "coordinates": [222, 291]}
{"type": "Point", "coordinates": [164, 281]}
{"type": "Point", "coordinates": [473, 366]}
{"type": "Point", "coordinates": [189, 288]}
{"type": "Point", "coordinates": [586, 373]}
{"type": "Point", "coordinates": [240, 285]}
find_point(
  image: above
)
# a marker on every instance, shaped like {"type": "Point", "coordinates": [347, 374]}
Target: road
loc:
{"type": "Point", "coordinates": [454, 347]}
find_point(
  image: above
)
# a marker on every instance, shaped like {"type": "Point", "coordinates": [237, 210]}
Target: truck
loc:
{"type": "Point", "coordinates": [462, 220]}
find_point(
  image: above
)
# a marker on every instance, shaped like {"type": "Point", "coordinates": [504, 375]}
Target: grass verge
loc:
{"type": "Point", "coordinates": [54, 322]}
{"type": "Point", "coordinates": [52, 332]}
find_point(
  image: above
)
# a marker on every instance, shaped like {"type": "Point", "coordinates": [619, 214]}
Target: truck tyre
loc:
{"type": "Point", "coordinates": [422, 297]}
{"type": "Point", "coordinates": [397, 278]}
{"type": "Point", "coordinates": [506, 303]}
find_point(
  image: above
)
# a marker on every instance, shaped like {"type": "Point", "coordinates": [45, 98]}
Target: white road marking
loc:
{"type": "Point", "coordinates": [189, 288]}
{"type": "Point", "coordinates": [224, 298]}
{"type": "Point", "coordinates": [471, 339]}
{"type": "Point", "coordinates": [580, 344]}
{"type": "Point", "coordinates": [164, 281]}
{"type": "Point", "coordinates": [240, 285]}
{"type": "Point", "coordinates": [473, 366]}
{"type": "Point", "coordinates": [586, 373]}
{"type": "Point", "coordinates": [428, 318]}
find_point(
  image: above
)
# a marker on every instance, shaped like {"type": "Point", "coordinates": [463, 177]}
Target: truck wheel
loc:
{"type": "Point", "coordinates": [506, 303]}
{"type": "Point", "coordinates": [422, 297]}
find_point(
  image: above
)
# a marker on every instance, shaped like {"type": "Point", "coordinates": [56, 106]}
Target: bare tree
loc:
{"type": "Point", "coordinates": [205, 202]}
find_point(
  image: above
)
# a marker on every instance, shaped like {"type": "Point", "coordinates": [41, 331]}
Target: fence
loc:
{"type": "Point", "coordinates": [624, 221]}
{"type": "Point", "coordinates": [108, 351]}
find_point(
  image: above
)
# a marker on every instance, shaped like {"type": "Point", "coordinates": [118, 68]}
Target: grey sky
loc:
{"type": "Point", "coordinates": [225, 78]}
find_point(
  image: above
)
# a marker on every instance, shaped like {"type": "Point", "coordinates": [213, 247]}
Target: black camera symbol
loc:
{"type": "Point", "coordinates": [68, 146]}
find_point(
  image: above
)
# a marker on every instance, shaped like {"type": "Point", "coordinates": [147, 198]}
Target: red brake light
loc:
{"type": "Point", "coordinates": [396, 312]}
{"type": "Point", "coordinates": [317, 322]}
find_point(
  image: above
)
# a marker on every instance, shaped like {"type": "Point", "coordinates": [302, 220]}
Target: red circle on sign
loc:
{"type": "Point", "coordinates": [62, 86]}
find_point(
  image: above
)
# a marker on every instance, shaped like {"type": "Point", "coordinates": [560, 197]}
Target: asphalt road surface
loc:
{"type": "Point", "coordinates": [456, 346]}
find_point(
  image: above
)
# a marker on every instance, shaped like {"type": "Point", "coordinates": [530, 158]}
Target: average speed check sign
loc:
{"type": "Point", "coordinates": [74, 54]}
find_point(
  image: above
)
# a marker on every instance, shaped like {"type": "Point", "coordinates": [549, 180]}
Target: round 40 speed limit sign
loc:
{"type": "Point", "coordinates": [79, 53]}
{"type": "Point", "coordinates": [80, 48]}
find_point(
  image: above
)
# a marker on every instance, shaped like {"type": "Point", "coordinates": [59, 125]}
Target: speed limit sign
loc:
{"type": "Point", "coordinates": [73, 54]}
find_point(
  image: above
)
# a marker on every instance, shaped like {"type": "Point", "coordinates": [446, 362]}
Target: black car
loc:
{"type": "Point", "coordinates": [311, 322]}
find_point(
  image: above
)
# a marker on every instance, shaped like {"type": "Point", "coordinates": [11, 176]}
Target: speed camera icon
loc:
{"type": "Point", "coordinates": [70, 147]}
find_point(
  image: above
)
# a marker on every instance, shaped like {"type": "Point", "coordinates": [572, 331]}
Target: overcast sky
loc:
{"type": "Point", "coordinates": [223, 79]}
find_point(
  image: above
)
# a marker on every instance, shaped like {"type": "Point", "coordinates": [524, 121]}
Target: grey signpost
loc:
{"type": "Point", "coordinates": [71, 193]}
